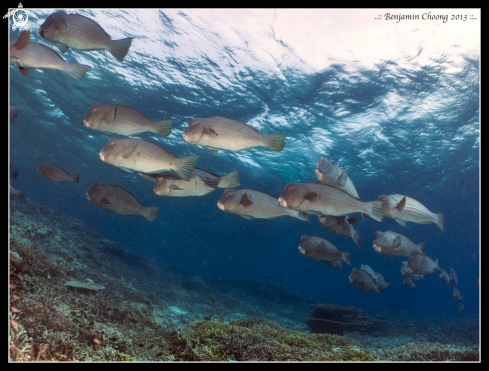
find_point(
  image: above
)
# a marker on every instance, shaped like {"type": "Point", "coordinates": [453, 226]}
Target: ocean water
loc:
{"type": "Point", "coordinates": [395, 104]}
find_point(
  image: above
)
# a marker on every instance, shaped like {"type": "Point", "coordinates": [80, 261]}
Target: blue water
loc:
{"type": "Point", "coordinates": [396, 105]}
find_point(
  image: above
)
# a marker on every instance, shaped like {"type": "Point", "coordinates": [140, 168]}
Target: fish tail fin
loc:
{"type": "Point", "coordinates": [230, 180]}
{"type": "Point", "coordinates": [363, 216]}
{"type": "Point", "coordinates": [120, 48]}
{"type": "Point", "coordinates": [151, 213]}
{"type": "Point", "coordinates": [346, 258]}
{"type": "Point", "coordinates": [375, 210]}
{"type": "Point", "coordinates": [186, 166]}
{"type": "Point", "coordinates": [356, 239]}
{"type": "Point", "coordinates": [440, 222]}
{"type": "Point", "coordinates": [275, 142]}
{"type": "Point", "coordinates": [437, 265]}
{"type": "Point", "coordinates": [75, 70]}
{"type": "Point", "coordinates": [388, 286]}
{"type": "Point", "coordinates": [76, 178]}
{"type": "Point", "coordinates": [299, 215]}
{"type": "Point", "coordinates": [163, 127]}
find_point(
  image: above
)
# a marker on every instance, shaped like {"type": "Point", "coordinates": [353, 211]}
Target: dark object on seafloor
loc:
{"type": "Point", "coordinates": [334, 319]}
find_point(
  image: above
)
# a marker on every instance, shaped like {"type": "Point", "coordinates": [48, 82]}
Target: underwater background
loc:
{"type": "Point", "coordinates": [395, 104]}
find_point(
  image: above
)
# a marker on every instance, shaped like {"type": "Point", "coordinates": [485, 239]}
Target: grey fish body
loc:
{"type": "Point", "coordinates": [405, 273]}
{"type": "Point", "coordinates": [419, 264]}
{"type": "Point", "coordinates": [333, 175]}
{"type": "Point", "coordinates": [453, 277]}
{"type": "Point", "coordinates": [314, 198]}
{"type": "Point", "coordinates": [321, 249]}
{"type": "Point", "coordinates": [382, 284]}
{"type": "Point", "coordinates": [333, 263]}
{"type": "Point", "coordinates": [408, 282]}
{"type": "Point", "coordinates": [251, 204]}
{"type": "Point", "coordinates": [456, 295]}
{"type": "Point", "coordinates": [444, 276]}
{"type": "Point", "coordinates": [396, 244]}
{"type": "Point", "coordinates": [218, 133]}
{"type": "Point", "coordinates": [341, 225]}
{"type": "Point", "coordinates": [25, 54]}
{"type": "Point", "coordinates": [117, 199]}
{"type": "Point", "coordinates": [412, 211]}
{"type": "Point", "coordinates": [147, 157]}
{"type": "Point", "coordinates": [82, 33]}
{"type": "Point", "coordinates": [119, 119]}
{"type": "Point", "coordinates": [370, 271]}
{"type": "Point", "coordinates": [363, 280]}
{"type": "Point", "coordinates": [54, 172]}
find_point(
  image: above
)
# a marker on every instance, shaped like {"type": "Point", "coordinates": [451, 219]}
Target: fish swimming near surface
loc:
{"type": "Point", "coordinates": [456, 295]}
{"type": "Point", "coordinates": [408, 282]}
{"type": "Point", "coordinates": [363, 280]}
{"type": "Point", "coordinates": [218, 133]}
{"type": "Point", "coordinates": [14, 111]}
{"type": "Point", "coordinates": [79, 32]}
{"type": "Point", "coordinates": [333, 175]}
{"type": "Point", "coordinates": [251, 204]}
{"type": "Point", "coordinates": [420, 264]}
{"type": "Point", "coordinates": [201, 182]}
{"type": "Point", "coordinates": [119, 200]}
{"type": "Point", "coordinates": [334, 264]}
{"type": "Point", "coordinates": [118, 119]}
{"type": "Point", "coordinates": [460, 308]}
{"type": "Point", "coordinates": [396, 244]}
{"type": "Point", "coordinates": [405, 272]}
{"type": "Point", "coordinates": [147, 157]}
{"type": "Point", "coordinates": [444, 276]}
{"type": "Point", "coordinates": [341, 225]}
{"type": "Point", "coordinates": [321, 249]}
{"type": "Point", "coordinates": [314, 198]}
{"type": "Point", "coordinates": [406, 209]}
{"type": "Point", "coordinates": [25, 54]}
{"type": "Point", "coordinates": [54, 172]}
{"type": "Point", "coordinates": [453, 277]}
{"type": "Point", "coordinates": [369, 270]}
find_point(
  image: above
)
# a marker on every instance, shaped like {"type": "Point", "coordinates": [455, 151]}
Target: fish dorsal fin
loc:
{"type": "Point", "coordinates": [128, 152]}
{"type": "Point", "coordinates": [352, 220]}
{"type": "Point", "coordinates": [342, 178]}
{"type": "Point", "coordinates": [23, 40]}
{"type": "Point", "coordinates": [397, 242]}
{"type": "Point", "coordinates": [60, 24]}
{"type": "Point", "coordinates": [167, 151]}
{"type": "Point", "coordinates": [338, 189]}
{"type": "Point", "coordinates": [209, 132]}
{"type": "Point", "coordinates": [312, 197]}
{"type": "Point", "coordinates": [110, 115]}
{"type": "Point", "coordinates": [340, 219]}
{"type": "Point", "coordinates": [245, 201]}
{"type": "Point", "coordinates": [401, 204]}
{"type": "Point", "coordinates": [24, 71]}
{"type": "Point", "coordinates": [238, 122]}
{"type": "Point", "coordinates": [125, 190]}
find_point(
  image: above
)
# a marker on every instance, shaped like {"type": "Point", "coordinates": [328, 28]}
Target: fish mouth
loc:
{"type": "Point", "coordinates": [220, 205]}
{"type": "Point", "coordinates": [282, 202]}
{"type": "Point", "coordinates": [156, 191]}
{"type": "Point", "coordinates": [101, 155]}
{"type": "Point", "coordinates": [302, 251]}
{"type": "Point", "coordinates": [184, 136]}
{"type": "Point", "coordinates": [350, 279]}
{"type": "Point", "coordinates": [88, 197]}
{"type": "Point", "coordinates": [85, 122]}
{"type": "Point", "coordinates": [377, 248]}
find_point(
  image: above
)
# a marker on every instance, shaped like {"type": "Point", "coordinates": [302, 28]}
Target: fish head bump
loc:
{"type": "Point", "coordinates": [229, 200]}
{"type": "Point", "coordinates": [111, 151]}
{"type": "Point", "coordinates": [162, 186]}
{"type": "Point", "coordinates": [96, 193]}
{"type": "Point", "coordinates": [354, 276]}
{"type": "Point", "coordinates": [48, 29]}
{"type": "Point", "coordinates": [95, 117]}
{"type": "Point", "coordinates": [293, 195]}
{"type": "Point", "coordinates": [324, 170]}
{"type": "Point", "coordinates": [381, 242]}
{"type": "Point", "coordinates": [307, 245]}
{"type": "Point", "coordinates": [193, 133]}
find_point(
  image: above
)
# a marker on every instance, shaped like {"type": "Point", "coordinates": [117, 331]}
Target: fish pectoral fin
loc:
{"type": "Point", "coordinates": [110, 116]}
{"type": "Point", "coordinates": [60, 24]}
{"type": "Point", "coordinates": [173, 186]}
{"type": "Point", "coordinates": [214, 150]}
{"type": "Point", "coordinates": [321, 249]}
{"type": "Point", "coordinates": [341, 219]}
{"type": "Point", "coordinates": [128, 152]}
{"type": "Point", "coordinates": [23, 40]}
{"type": "Point", "coordinates": [396, 242]}
{"type": "Point", "coordinates": [401, 204]}
{"type": "Point", "coordinates": [247, 217]}
{"type": "Point", "coordinates": [312, 197]}
{"type": "Point", "coordinates": [401, 222]}
{"type": "Point", "coordinates": [62, 47]}
{"type": "Point", "coordinates": [342, 178]}
{"type": "Point", "coordinates": [331, 230]}
{"type": "Point", "coordinates": [25, 71]}
{"type": "Point", "coordinates": [105, 201]}
{"type": "Point", "coordinates": [245, 201]}
{"type": "Point", "coordinates": [352, 220]}
{"type": "Point", "coordinates": [209, 132]}
{"type": "Point", "coordinates": [126, 169]}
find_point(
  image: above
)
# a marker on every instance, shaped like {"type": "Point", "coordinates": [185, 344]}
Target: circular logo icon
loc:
{"type": "Point", "coordinates": [20, 18]}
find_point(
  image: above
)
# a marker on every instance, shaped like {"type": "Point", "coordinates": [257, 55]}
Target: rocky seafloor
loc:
{"type": "Point", "coordinates": [81, 297]}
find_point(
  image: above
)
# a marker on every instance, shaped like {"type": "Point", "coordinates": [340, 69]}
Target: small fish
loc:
{"type": "Point", "coordinates": [456, 295]}
{"type": "Point", "coordinates": [16, 192]}
{"type": "Point", "coordinates": [363, 280]}
{"type": "Point", "coordinates": [14, 111]}
{"type": "Point", "coordinates": [460, 308]}
{"type": "Point", "coordinates": [98, 341]}
{"type": "Point", "coordinates": [321, 249]}
{"type": "Point", "coordinates": [81, 33]}
{"type": "Point", "coordinates": [406, 209]}
{"type": "Point", "coordinates": [342, 225]}
{"type": "Point", "coordinates": [15, 322]}
{"type": "Point", "coordinates": [444, 276]}
{"type": "Point", "coordinates": [201, 182]}
{"type": "Point", "coordinates": [405, 272]}
{"type": "Point", "coordinates": [453, 277]}
{"type": "Point", "coordinates": [334, 264]}
{"type": "Point", "coordinates": [333, 175]}
{"type": "Point", "coordinates": [16, 296]}
{"type": "Point", "coordinates": [251, 204]}
{"type": "Point", "coordinates": [147, 157]}
{"type": "Point", "coordinates": [396, 244]}
{"type": "Point", "coordinates": [218, 133]}
{"type": "Point", "coordinates": [54, 172]}
{"type": "Point", "coordinates": [408, 282]}
{"type": "Point", "coordinates": [15, 309]}
{"type": "Point", "coordinates": [25, 54]}
{"type": "Point", "coordinates": [420, 264]}
{"type": "Point", "coordinates": [313, 198]}
{"type": "Point", "coordinates": [370, 271]}
{"type": "Point", "coordinates": [114, 198]}
{"type": "Point", "coordinates": [118, 119]}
